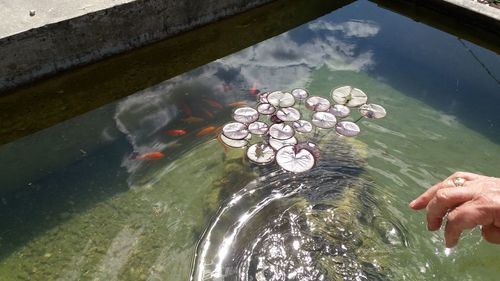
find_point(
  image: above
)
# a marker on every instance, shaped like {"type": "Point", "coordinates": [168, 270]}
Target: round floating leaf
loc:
{"type": "Point", "coordinates": [262, 98]}
{"type": "Point", "coordinates": [266, 108]}
{"type": "Point", "coordinates": [302, 126]}
{"type": "Point", "coordinates": [235, 131]}
{"type": "Point", "coordinates": [347, 128]}
{"type": "Point", "coordinates": [289, 114]}
{"type": "Point", "coordinates": [260, 153]}
{"type": "Point", "coordinates": [340, 110]}
{"type": "Point", "coordinates": [349, 96]}
{"type": "Point", "coordinates": [372, 110]}
{"type": "Point", "coordinates": [316, 103]}
{"type": "Point", "coordinates": [300, 94]}
{"type": "Point", "coordinates": [280, 99]}
{"type": "Point", "coordinates": [233, 143]}
{"type": "Point", "coordinates": [309, 146]}
{"type": "Point", "coordinates": [258, 128]}
{"type": "Point", "coordinates": [281, 131]}
{"type": "Point", "coordinates": [245, 115]}
{"type": "Point", "coordinates": [324, 120]}
{"type": "Point", "coordinates": [292, 161]}
{"type": "Point", "coordinates": [277, 144]}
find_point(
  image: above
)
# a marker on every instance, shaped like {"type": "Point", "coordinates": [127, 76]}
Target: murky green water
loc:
{"type": "Point", "coordinates": [77, 205]}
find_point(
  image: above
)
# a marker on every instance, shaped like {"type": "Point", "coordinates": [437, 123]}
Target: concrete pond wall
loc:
{"type": "Point", "coordinates": [59, 35]}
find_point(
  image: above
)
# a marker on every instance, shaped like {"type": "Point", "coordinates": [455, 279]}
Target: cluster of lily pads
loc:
{"type": "Point", "coordinates": [280, 124]}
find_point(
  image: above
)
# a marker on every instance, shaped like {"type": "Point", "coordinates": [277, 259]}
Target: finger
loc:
{"type": "Point", "coordinates": [461, 218]}
{"type": "Point", "coordinates": [445, 199]}
{"type": "Point", "coordinates": [465, 175]}
{"type": "Point", "coordinates": [421, 201]}
{"type": "Point", "coordinates": [491, 233]}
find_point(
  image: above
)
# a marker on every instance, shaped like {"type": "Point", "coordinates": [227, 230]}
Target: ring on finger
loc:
{"type": "Point", "coordinates": [458, 181]}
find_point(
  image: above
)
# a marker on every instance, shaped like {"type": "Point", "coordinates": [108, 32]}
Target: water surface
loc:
{"type": "Point", "coordinates": [83, 208]}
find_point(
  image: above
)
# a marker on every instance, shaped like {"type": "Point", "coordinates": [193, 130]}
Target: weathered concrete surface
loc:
{"type": "Point", "coordinates": [64, 34]}
{"type": "Point", "coordinates": [15, 15]}
{"type": "Point", "coordinates": [476, 7]}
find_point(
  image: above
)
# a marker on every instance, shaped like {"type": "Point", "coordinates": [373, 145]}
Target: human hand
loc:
{"type": "Point", "coordinates": [477, 202]}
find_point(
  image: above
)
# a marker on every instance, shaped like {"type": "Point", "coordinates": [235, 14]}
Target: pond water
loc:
{"type": "Point", "coordinates": [83, 200]}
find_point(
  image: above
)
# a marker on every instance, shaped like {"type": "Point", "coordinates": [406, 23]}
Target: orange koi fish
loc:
{"type": "Point", "coordinates": [205, 131]}
{"type": "Point", "coordinates": [208, 113]}
{"type": "Point", "coordinates": [150, 156]}
{"type": "Point", "coordinates": [193, 120]}
{"type": "Point", "coordinates": [253, 90]}
{"type": "Point", "coordinates": [238, 103]}
{"type": "Point", "coordinates": [213, 103]}
{"type": "Point", "coordinates": [175, 132]}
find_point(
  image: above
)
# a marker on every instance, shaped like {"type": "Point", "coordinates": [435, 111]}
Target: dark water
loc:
{"type": "Point", "coordinates": [81, 206]}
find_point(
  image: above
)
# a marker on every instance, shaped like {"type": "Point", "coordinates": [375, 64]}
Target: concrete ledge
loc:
{"type": "Point", "coordinates": [476, 7]}
{"type": "Point", "coordinates": [31, 50]}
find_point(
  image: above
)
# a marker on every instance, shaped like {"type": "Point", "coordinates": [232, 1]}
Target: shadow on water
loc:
{"type": "Point", "coordinates": [45, 204]}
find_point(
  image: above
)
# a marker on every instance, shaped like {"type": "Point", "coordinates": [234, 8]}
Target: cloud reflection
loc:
{"type": "Point", "coordinates": [284, 62]}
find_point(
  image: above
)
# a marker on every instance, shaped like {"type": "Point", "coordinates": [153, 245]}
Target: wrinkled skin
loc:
{"type": "Point", "coordinates": [475, 203]}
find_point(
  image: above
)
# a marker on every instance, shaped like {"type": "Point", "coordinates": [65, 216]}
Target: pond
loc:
{"type": "Point", "coordinates": [141, 188]}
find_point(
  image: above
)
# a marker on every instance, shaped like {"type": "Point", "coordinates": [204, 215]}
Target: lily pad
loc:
{"type": "Point", "coordinates": [316, 103]}
{"type": "Point", "coordinates": [233, 143]}
{"type": "Point", "coordinates": [340, 110]}
{"type": "Point", "coordinates": [280, 99]}
{"type": "Point", "coordinates": [245, 115]}
{"type": "Point", "coordinates": [260, 153]}
{"type": "Point", "coordinates": [347, 128]}
{"type": "Point", "coordinates": [324, 120]}
{"type": "Point", "coordinates": [349, 96]}
{"type": "Point", "coordinates": [288, 114]}
{"type": "Point", "coordinates": [302, 126]}
{"type": "Point", "coordinates": [266, 108]}
{"type": "Point", "coordinates": [309, 146]}
{"type": "Point", "coordinates": [281, 131]}
{"type": "Point", "coordinates": [277, 144]}
{"type": "Point", "coordinates": [235, 131]}
{"type": "Point", "coordinates": [373, 111]}
{"type": "Point", "coordinates": [262, 97]}
{"type": "Point", "coordinates": [296, 162]}
{"type": "Point", "coordinates": [300, 94]}
{"type": "Point", "coordinates": [258, 128]}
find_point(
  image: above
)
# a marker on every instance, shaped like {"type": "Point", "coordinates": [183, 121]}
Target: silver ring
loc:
{"type": "Point", "coordinates": [458, 181]}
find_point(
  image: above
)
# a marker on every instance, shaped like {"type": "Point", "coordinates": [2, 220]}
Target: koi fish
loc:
{"type": "Point", "coordinates": [213, 103]}
{"type": "Point", "coordinates": [238, 103]}
{"type": "Point", "coordinates": [206, 131]}
{"type": "Point", "coordinates": [226, 87]}
{"type": "Point", "coordinates": [208, 113]}
{"type": "Point", "coordinates": [193, 120]}
{"type": "Point", "coordinates": [253, 90]}
{"type": "Point", "coordinates": [173, 144]}
{"type": "Point", "coordinates": [176, 132]}
{"type": "Point", "coordinates": [186, 109]}
{"type": "Point", "coordinates": [150, 156]}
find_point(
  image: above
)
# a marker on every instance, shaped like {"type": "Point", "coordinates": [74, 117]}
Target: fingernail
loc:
{"type": "Point", "coordinates": [412, 203]}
